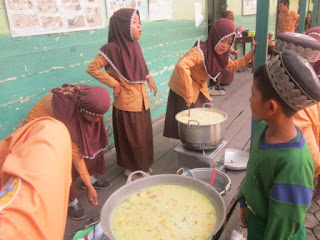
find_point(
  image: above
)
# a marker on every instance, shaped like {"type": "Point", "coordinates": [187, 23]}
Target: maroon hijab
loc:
{"type": "Point", "coordinates": [123, 52]}
{"type": "Point", "coordinates": [227, 14]}
{"type": "Point", "coordinates": [69, 101]}
{"type": "Point", "coordinates": [213, 62]}
{"type": "Point", "coordinates": [313, 31]}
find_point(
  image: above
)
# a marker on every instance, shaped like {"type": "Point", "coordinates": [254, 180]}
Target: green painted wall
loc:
{"type": "Point", "coordinates": [31, 66]}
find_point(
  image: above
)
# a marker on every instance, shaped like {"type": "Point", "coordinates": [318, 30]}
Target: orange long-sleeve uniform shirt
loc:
{"type": "Point", "coordinates": [189, 77]}
{"type": "Point", "coordinates": [308, 120]}
{"type": "Point", "coordinates": [132, 98]}
{"type": "Point", "coordinates": [288, 21]}
{"type": "Point", "coordinates": [35, 178]}
{"type": "Point", "coordinates": [43, 108]}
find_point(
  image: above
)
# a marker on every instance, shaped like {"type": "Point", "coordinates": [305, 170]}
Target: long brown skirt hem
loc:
{"type": "Point", "coordinates": [133, 139]}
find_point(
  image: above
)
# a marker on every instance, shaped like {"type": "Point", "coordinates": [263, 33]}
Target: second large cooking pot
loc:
{"type": "Point", "coordinates": [199, 136]}
{"type": "Point", "coordinates": [163, 179]}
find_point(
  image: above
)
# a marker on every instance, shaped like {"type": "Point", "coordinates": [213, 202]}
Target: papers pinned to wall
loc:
{"type": "Point", "coordinates": [115, 5]}
{"type": "Point", "coordinates": [198, 17]}
{"type": "Point", "coordinates": [160, 9]}
{"type": "Point", "coordinates": [249, 7]}
{"type": "Point", "coordinates": [34, 17]}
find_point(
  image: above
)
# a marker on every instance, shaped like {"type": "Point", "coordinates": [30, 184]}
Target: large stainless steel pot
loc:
{"type": "Point", "coordinates": [201, 137]}
{"type": "Point", "coordinates": [163, 179]}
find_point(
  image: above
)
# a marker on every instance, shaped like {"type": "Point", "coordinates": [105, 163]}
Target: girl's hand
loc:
{"type": "Point", "coordinates": [92, 195]}
{"type": "Point", "coordinates": [235, 53]}
{"type": "Point", "coordinates": [152, 85]}
{"type": "Point", "coordinates": [253, 46]}
{"type": "Point", "coordinates": [188, 101]}
{"type": "Point", "coordinates": [116, 89]}
{"type": "Point", "coordinates": [244, 216]}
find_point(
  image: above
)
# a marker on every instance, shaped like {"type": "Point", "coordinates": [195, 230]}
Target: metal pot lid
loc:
{"type": "Point", "coordinates": [236, 159]}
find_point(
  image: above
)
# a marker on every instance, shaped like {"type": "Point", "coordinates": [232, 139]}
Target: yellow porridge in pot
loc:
{"type": "Point", "coordinates": [164, 212]}
{"type": "Point", "coordinates": [202, 115]}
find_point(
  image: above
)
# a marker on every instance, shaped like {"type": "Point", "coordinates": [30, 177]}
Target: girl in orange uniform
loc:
{"type": "Point", "coordinates": [127, 73]}
{"type": "Point", "coordinates": [205, 61]}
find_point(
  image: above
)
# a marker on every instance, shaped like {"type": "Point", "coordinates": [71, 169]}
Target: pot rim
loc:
{"type": "Point", "coordinates": [203, 125]}
{"type": "Point", "coordinates": [125, 191]}
{"type": "Point", "coordinates": [186, 172]}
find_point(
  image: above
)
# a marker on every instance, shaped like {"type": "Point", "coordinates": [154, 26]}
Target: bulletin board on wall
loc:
{"type": "Point", "coordinates": [34, 17]}
{"type": "Point", "coordinates": [249, 7]}
{"type": "Point", "coordinates": [148, 9]}
{"type": "Point", "coordinates": [115, 5]}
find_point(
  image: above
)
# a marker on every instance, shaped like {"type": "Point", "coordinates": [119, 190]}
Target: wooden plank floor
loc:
{"type": "Point", "coordinates": [237, 134]}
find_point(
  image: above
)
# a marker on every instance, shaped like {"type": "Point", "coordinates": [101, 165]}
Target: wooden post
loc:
{"type": "Point", "coordinates": [277, 18]}
{"type": "Point", "coordinates": [302, 13]}
{"type": "Point", "coordinates": [224, 5]}
{"type": "Point", "coordinates": [315, 13]}
{"type": "Point", "coordinates": [213, 12]}
{"type": "Point", "coordinates": [262, 40]}
{"type": "Point", "coordinates": [261, 32]}
{"type": "Point", "coordinates": [318, 17]}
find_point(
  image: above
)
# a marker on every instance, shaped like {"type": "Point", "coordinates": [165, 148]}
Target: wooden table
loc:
{"type": "Point", "coordinates": [243, 41]}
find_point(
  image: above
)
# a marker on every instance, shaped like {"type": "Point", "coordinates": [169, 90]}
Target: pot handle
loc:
{"type": "Point", "coordinates": [180, 171]}
{"type": "Point", "coordinates": [144, 174]}
{"type": "Point", "coordinates": [227, 188]}
{"type": "Point", "coordinates": [191, 126]}
{"type": "Point", "coordinates": [207, 105]}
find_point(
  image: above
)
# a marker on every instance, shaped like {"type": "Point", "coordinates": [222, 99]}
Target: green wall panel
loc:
{"type": "Point", "coordinates": [31, 66]}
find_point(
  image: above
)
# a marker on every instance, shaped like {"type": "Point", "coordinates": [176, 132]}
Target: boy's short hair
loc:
{"type": "Point", "coordinates": [293, 80]}
{"type": "Point", "coordinates": [268, 92]}
{"type": "Point", "coordinates": [285, 2]}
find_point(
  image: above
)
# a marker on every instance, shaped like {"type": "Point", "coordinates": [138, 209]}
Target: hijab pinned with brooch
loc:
{"type": "Point", "coordinates": [294, 79]}
{"type": "Point", "coordinates": [213, 62]}
{"type": "Point", "coordinates": [69, 101]}
{"type": "Point", "coordinates": [122, 52]}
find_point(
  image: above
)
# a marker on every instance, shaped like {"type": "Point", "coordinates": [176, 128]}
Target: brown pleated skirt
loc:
{"type": "Point", "coordinates": [133, 139]}
{"type": "Point", "coordinates": [225, 77]}
{"type": "Point", "coordinates": [175, 105]}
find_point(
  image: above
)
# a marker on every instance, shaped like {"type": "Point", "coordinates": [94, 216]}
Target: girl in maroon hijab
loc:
{"type": "Point", "coordinates": [127, 73]}
{"type": "Point", "coordinates": [81, 108]}
{"type": "Point", "coordinates": [205, 61]}
{"type": "Point", "coordinates": [226, 77]}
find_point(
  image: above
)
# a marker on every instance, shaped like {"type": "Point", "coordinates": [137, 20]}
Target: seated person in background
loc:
{"type": "Point", "coordinates": [81, 108]}
{"type": "Point", "coordinates": [277, 188]}
{"type": "Point", "coordinates": [35, 178]}
{"type": "Point", "coordinates": [308, 20]}
{"type": "Point", "coordinates": [271, 43]}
